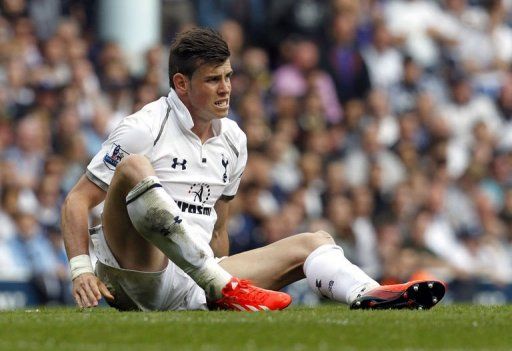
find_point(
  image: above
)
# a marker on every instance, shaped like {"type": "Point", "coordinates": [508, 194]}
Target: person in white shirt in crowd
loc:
{"type": "Point", "coordinates": [384, 60]}
{"type": "Point", "coordinates": [464, 110]}
{"type": "Point", "coordinates": [380, 111]}
{"type": "Point", "coordinates": [359, 161]}
{"type": "Point", "coordinates": [414, 25]}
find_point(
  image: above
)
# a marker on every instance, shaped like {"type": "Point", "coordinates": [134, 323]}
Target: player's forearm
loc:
{"type": "Point", "coordinates": [75, 215]}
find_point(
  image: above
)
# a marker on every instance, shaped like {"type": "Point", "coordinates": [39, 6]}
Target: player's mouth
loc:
{"type": "Point", "coordinates": [223, 104]}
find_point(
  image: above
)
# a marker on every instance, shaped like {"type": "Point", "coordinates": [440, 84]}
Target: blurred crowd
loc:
{"type": "Point", "coordinates": [386, 123]}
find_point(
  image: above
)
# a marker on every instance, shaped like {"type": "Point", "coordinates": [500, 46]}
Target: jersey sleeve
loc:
{"type": "Point", "coordinates": [132, 136]}
{"type": "Point", "coordinates": [235, 177]}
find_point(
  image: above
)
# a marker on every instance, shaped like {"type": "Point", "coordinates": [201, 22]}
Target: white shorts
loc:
{"type": "Point", "coordinates": [170, 289]}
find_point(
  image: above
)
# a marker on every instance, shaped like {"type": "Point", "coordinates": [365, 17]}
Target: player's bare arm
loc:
{"type": "Point", "coordinates": [220, 239]}
{"type": "Point", "coordinates": [87, 288]}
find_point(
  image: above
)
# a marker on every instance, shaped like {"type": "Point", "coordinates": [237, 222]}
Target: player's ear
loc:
{"type": "Point", "coordinates": [180, 82]}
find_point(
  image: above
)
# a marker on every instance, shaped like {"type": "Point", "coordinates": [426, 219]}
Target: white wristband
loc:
{"type": "Point", "coordinates": [79, 265]}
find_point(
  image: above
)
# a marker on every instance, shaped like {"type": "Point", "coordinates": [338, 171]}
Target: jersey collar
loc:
{"type": "Point", "coordinates": [183, 114]}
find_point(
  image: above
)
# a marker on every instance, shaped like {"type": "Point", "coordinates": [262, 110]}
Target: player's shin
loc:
{"type": "Point", "coordinates": [331, 275]}
{"type": "Point", "coordinates": [155, 215]}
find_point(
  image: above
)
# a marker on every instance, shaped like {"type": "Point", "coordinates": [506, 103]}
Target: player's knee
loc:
{"type": "Point", "coordinates": [131, 162]}
{"type": "Point", "coordinates": [133, 168]}
{"type": "Point", "coordinates": [314, 240]}
{"type": "Point", "coordinates": [321, 237]}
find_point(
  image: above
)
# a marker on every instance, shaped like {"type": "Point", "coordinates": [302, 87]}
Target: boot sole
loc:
{"type": "Point", "coordinates": [419, 295]}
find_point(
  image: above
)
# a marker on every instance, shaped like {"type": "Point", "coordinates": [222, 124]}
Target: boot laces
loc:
{"type": "Point", "coordinates": [252, 292]}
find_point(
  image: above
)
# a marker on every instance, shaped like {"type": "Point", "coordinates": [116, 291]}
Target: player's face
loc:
{"type": "Point", "coordinates": [210, 88]}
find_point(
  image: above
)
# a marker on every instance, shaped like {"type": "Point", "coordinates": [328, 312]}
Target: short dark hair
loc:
{"type": "Point", "coordinates": [196, 47]}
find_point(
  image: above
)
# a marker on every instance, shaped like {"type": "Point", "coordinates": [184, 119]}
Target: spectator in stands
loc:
{"type": "Point", "coordinates": [345, 60]}
{"type": "Point", "coordinates": [414, 24]}
{"type": "Point", "coordinates": [26, 157]}
{"type": "Point", "coordinates": [384, 61]}
{"type": "Point", "coordinates": [379, 111]}
{"type": "Point", "coordinates": [8, 208]}
{"type": "Point", "coordinates": [364, 230]}
{"type": "Point", "coordinates": [415, 82]}
{"type": "Point", "coordinates": [50, 200]}
{"type": "Point", "coordinates": [33, 254]}
{"type": "Point", "coordinates": [19, 95]}
{"type": "Point", "coordinates": [358, 162]}
{"type": "Point", "coordinates": [98, 129]}
{"type": "Point", "coordinates": [466, 108]}
{"type": "Point", "coordinates": [303, 74]}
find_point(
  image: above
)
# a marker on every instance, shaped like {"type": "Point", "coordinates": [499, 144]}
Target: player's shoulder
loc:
{"type": "Point", "coordinates": [150, 116]}
{"type": "Point", "coordinates": [232, 130]}
{"type": "Point", "coordinates": [154, 110]}
{"type": "Point", "coordinates": [234, 137]}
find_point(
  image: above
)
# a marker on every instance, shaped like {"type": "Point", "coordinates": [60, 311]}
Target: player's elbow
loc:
{"type": "Point", "coordinates": [84, 195]}
{"type": "Point", "coordinates": [77, 199]}
{"type": "Point", "coordinates": [72, 201]}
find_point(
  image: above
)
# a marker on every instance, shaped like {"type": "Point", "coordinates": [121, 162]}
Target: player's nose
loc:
{"type": "Point", "coordinates": [225, 87]}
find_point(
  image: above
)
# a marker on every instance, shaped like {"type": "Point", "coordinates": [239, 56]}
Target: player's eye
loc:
{"type": "Point", "coordinates": [213, 79]}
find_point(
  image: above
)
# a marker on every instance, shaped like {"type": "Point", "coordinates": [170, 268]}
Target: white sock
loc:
{"type": "Point", "coordinates": [158, 219]}
{"type": "Point", "coordinates": [331, 275]}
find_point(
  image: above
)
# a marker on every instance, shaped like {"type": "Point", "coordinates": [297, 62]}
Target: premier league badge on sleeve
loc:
{"type": "Point", "coordinates": [114, 156]}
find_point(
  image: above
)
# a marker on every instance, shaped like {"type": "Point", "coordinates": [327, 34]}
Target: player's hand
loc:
{"type": "Point", "coordinates": [88, 290]}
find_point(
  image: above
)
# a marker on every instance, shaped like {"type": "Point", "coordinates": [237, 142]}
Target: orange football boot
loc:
{"type": "Point", "coordinates": [241, 295]}
{"type": "Point", "coordinates": [416, 294]}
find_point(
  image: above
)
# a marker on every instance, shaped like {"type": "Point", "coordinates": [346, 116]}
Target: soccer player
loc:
{"type": "Point", "coordinates": [167, 174]}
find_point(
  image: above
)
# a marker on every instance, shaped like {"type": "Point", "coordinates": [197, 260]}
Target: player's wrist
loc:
{"type": "Point", "coordinates": [79, 265]}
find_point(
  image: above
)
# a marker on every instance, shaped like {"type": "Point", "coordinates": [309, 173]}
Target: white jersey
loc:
{"type": "Point", "coordinates": [196, 175]}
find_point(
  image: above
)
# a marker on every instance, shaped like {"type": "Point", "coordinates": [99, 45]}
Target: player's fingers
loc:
{"type": "Point", "coordinates": [82, 297]}
{"type": "Point", "coordinates": [105, 292]}
{"type": "Point", "coordinates": [78, 299]}
{"type": "Point", "coordinates": [93, 285]}
{"type": "Point", "coordinates": [87, 296]}
{"type": "Point", "coordinates": [91, 296]}
{"type": "Point", "coordinates": [82, 301]}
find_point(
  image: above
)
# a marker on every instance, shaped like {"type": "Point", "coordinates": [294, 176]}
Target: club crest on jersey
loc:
{"type": "Point", "coordinates": [200, 191]}
{"type": "Point", "coordinates": [225, 163]}
{"type": "Point", "coordinates": [114, 156]}
{"type": "Point", "coordinates": [176, 163]}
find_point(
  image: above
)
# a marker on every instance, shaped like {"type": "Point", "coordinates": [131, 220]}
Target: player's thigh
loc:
{"type": "Point", "coordinates": [278, 264]}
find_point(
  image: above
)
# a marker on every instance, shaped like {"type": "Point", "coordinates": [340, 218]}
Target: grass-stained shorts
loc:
{"type": "Point", "coordinates": [170, 289]}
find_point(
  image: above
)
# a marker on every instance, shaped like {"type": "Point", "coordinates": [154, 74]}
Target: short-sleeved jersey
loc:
{"type": "Point", "coordinates": [195, 174]}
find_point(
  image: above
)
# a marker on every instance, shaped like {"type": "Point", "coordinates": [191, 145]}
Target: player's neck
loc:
{"type": "Point", "coordinates": [203, 130]}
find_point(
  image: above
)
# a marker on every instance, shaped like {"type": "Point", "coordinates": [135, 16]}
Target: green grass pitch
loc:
{"type": "Point", "coordinates": [330, 327]}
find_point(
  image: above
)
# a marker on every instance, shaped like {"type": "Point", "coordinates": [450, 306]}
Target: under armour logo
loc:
{"type": "Point", "coordinates": [177, 220]}
{"type": "Point", "coordinates": [225, 163]}
{"type": "Point", "coordinates": [318, 283]}
{"type": "Point", "coordinates": [176, 163]}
